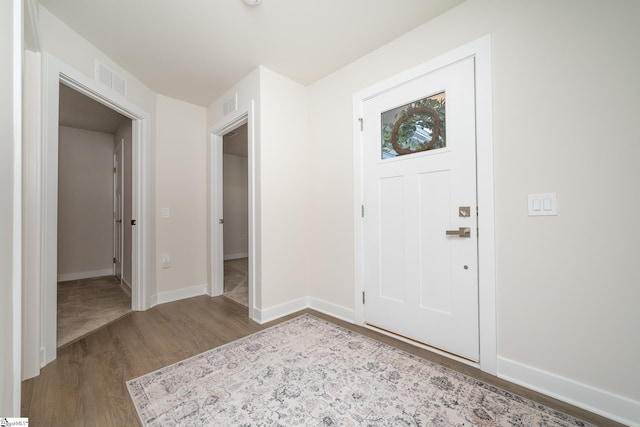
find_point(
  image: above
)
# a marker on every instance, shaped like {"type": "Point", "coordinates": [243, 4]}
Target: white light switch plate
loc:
{"type": "Point", "coordinates": [166, 261]}
{"type": "Point", "coordinates": [165, 213]}
{"type": "Point", "coordinates": [543, 204]}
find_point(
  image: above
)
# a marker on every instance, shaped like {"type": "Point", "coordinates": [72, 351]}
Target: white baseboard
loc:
{"type": "Point", "coordinates": [598, 401]}
{"type": "Point", "coordinates": [85, 275]}
{"type": "Point", "coordinates": [335, 310]}
{"type": "Point", "coordinates": [228, 257]}
{"type": "Point", "coordinates": [281, 310]}
{"type": "Point", "coordinates": [178, 294]}
{"type": "Point", "coordinates": [273, 313]}
{"type": "Point", "coordinates": [126, 286]}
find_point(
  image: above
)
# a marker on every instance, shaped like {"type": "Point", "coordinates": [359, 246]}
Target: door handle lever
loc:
{"type": "Point", "coordinates": [460, 232]}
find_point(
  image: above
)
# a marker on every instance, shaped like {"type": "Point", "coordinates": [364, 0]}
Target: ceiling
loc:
{"type": "Point", "coordinates": [195, 50]}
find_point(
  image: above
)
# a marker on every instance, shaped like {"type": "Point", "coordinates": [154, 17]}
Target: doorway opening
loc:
{"type": "Point", "coordinates": [94, 269]}
{"type": "Point", "coordinates": [235, 196]}
{"type": "Point", "coordinates": [239, 124]}
{"type": "Point", "coordinates": [43, 293]}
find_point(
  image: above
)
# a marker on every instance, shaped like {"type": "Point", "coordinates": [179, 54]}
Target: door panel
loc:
{"type": "Point", "coordinates": [419, 169]}
{"type": "Point", "coordinates": [390, 190]}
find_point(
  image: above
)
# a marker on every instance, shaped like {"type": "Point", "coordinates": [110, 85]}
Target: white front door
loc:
{"type": "Point", "coordinates": [420, 221]}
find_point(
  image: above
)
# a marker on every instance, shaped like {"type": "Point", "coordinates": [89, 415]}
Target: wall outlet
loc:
{"type": "Point", "coordinates": [166, 261]}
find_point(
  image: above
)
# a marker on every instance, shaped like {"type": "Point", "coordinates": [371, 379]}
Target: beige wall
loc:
{"type": "Point", "coordinates": [181, 182]}
{"type": "Point", "coordinates": [565, 104]}
{"type": "Point", "coordinates": [57, 39]}
{"type": "Point", "coordinates": [565, 97]}
{"type": "Point", "coordinates": [69, 47]}
{"type": "Point", "coordinates": [284, 201]}
{"type": "Point", "coordinates": [85, 203]}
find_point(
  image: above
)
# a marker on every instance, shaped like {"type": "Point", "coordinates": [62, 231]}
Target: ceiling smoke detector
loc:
{"type": "Point", "coordinates": [252, 2]}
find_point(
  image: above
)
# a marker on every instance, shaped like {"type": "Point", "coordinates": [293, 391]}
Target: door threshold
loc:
{"type": "Point", "coordinates": [424, 346]}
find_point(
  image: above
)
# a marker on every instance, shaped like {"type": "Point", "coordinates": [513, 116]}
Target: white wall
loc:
{"type": "Point", "coordinates": [565, 93]}
{"type": "Point", "coordinates": [246, 90]}
{"type": "Point", "coordinates": [181, 182]}
{"type": "Point", "coordinates": [235, 205]}
{"type": "Point", "coordinates": [68, 46]}
{"type": "Point", "coordinates": [10, 137]}
{"type": "Point", "coordinates": [284, 157]}
{"type": "Point", "coordinates": [64, 44]}
{"type": "Point", "coordinates": [565, 104]}
{"type": "Point", "coordinates": [282, 201]}
{"type": "Point", "coordinates": [85, 203]}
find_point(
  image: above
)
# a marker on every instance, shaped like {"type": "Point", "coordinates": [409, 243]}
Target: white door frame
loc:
{"type": "Point", "coordinates": [481, 51]}
{"type": "Point", "coordinates": [56, 72]}
{"type": "Point", "coordinates": [232, 121]}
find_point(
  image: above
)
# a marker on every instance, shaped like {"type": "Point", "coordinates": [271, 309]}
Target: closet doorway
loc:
{"type": "Point", "coordinates": [94, 269]}
{"type": "Point", "coordinates": [235, 195]}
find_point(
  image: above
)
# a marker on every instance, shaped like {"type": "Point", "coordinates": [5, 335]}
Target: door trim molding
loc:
{"type": "Point", "coordinates": [480, 50]}
{"type": "Point", "coordinates": [215, 286]}
{"type": "Point", "coordinates": [55, 72]}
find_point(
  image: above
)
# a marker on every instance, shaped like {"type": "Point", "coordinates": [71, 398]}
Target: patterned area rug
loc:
{"type": "Point", "coordinates": [309, 372]}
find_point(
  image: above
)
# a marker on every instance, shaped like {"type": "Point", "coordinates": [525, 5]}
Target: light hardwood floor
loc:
{"type": "Point", "coordinates": [85, 385]}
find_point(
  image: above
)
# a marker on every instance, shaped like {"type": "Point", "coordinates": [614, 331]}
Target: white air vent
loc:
{"type": "Point", "coordinates": [110, 79]}
{"type": "Point", "coordinates": [230, 105]}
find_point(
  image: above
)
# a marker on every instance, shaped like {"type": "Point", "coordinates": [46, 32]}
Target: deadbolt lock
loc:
{"type": "Point", "coordinates": [464, 211]}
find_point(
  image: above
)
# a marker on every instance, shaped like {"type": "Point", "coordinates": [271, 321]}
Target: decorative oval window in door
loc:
{"type": "Point", "coordinates": [415, 127]}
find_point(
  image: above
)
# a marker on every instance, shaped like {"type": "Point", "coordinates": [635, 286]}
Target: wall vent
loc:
{"type": "Point", "coordinates": [110, 79]}
{"type": "Point", "coordinates": [230, 105]}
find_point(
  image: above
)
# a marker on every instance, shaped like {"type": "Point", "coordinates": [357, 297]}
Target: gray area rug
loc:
{"type": "Point", "coordinates": [309, 372]}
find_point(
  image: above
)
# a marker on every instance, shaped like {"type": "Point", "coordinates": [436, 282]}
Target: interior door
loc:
{"type": "Point", "coordinates": [420, 225]}
{"type": "Point", "coordinates": [118, 181]}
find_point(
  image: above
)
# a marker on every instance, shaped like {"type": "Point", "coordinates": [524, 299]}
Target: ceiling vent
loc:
{"type": "Point", "coordinates": [230, 105]}
{"type": "Point", "coordinates": [110, 79]}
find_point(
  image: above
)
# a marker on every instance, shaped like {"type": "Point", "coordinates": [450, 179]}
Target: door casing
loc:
{"type": "Point", "coordinates": [242, 115]}
{"type": "Point", "coordinates": [481, 50]}
{"type": "Point", "coordinates": [55, 72]}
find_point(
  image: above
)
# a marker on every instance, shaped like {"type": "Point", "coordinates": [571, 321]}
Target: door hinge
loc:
{"type": "Point", "coordinates": [362, 211]}
{"type": "Point", "coordinates": [361, 120]}
{"type": "Point", "coordinates": [363, 297]}
{"type": "Point", "coordinates": [114, 260]}
{"type": "Point", "coordinates": [115, 170]}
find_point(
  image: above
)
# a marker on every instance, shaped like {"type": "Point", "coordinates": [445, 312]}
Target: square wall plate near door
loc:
{"type": "Point", "coordinates": [543, 204]}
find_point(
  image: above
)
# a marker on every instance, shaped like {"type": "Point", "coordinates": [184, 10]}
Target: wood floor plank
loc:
{"type": "Point", "coordinates": [85, 385]}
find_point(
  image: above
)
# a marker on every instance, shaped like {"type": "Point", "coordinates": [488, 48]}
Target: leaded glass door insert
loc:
{"type": "Point", "coordinates": [415, 127]}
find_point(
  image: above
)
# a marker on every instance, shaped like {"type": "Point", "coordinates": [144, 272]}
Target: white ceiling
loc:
{"type": "Point", "coordinates": [194, 50]}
